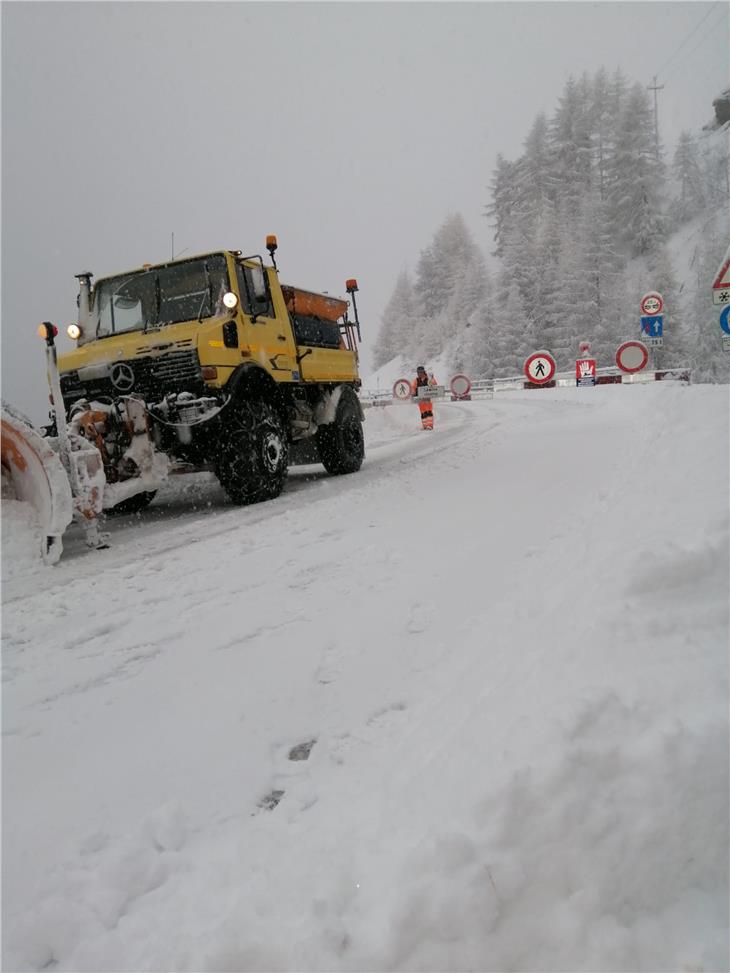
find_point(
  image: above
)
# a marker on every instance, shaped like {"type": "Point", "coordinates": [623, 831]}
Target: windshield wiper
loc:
{"type": "Point", "coordinates": [207, 293]}
{"type": "Point", "coordinates": [202, 303]}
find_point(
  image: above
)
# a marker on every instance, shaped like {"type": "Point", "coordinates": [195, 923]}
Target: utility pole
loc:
{"type": "Point", "coordinates": [655, 87]}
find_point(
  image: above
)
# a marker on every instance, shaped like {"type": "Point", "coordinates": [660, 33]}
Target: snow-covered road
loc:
{"type": "Point", "coordinates": [466, 709]}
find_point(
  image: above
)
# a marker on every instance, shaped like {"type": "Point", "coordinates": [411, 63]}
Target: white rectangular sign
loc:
{"type": "Point", "coordinates": [431, 391]}
{"type": "Point", "coordinates": [721, 296]}
{"type": "Point", "coordinates": [654, 342]}
{"type": "Point", "coordinates": [726, 342]}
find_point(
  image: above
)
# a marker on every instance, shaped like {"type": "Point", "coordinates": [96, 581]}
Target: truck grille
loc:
{"type": "Point", "coordinates": [152, 377]}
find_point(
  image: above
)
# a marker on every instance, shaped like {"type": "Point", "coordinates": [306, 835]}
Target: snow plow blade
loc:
{"type": "Point", "coordinates": [37, 477]}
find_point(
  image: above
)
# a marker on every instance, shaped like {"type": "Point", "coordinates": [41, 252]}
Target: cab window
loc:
{"type": "Point", "coordinates": [253, 285]}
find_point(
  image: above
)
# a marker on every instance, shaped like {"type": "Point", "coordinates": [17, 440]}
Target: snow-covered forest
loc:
{"type": "Point", "coordinates": [593, 214]}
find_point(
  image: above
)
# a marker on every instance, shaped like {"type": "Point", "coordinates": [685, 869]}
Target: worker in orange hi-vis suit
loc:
{"type": "Point", "coordinates": [424, 405]}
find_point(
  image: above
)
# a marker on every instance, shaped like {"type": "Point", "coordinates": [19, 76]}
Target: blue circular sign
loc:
{"type": "Point", "coordinates": [725, 319]}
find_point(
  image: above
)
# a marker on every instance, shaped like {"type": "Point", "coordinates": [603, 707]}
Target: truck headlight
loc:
{"type": "Point", "coordinates": [230, 300]}
{"type": "Point", "coordinates": [73, 331]}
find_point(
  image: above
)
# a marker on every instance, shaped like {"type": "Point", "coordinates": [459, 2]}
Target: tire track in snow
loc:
{"type": "Point", "coordinates": [165, 535]}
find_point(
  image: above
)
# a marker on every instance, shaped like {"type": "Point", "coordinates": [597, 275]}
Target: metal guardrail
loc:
{"type": "Point", "coordinates": [486, 388]}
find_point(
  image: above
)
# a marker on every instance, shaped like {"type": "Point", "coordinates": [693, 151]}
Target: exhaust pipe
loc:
{"type": "Point", "coordinates": [84, 302]}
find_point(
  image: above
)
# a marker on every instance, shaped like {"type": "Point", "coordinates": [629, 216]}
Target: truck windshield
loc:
{"type": "Point", "coordinates": [186, 291]}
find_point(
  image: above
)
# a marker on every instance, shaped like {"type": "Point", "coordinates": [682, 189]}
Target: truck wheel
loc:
{"type": "Point", "coordinates": [133, 505]}
{"type": "Point", "coordinates": [253, 453]}
{"type": "Point", "coordinates": [341, 443]}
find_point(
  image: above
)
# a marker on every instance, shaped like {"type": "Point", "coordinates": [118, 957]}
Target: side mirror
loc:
{"type": "Point", "coordinates": [259, 284]}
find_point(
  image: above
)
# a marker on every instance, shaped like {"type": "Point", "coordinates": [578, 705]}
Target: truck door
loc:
{"type": "Point", "coordinates": [267, 331]}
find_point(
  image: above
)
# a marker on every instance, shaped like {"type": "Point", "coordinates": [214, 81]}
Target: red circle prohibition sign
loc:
{"type": "Point", "coordinates": [457, 384]}
{"type": "Point", "coordinates": [636, 354]}
{"type": "Point", "coordinates": [538, 378]}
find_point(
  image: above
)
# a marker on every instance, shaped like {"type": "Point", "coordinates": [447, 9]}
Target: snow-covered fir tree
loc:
{"type": "Point", "coordinates": [581, 221]}
{"type": "Point", "coordinates": [690, 182]}
{"type": "Point", "coordinates": [398, 323]}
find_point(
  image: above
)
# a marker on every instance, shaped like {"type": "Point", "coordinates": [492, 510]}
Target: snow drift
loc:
{"type": "Point", "coordinates": [467, 709]}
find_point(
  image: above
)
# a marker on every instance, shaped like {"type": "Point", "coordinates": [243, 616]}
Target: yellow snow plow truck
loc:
{"type": "Point", "coordinates": [201, 363]}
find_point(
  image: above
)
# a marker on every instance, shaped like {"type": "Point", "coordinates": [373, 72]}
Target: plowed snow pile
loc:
{"type": "Point", "coordinates": [21, 535]}
{"type": "Point", "coordinates": [464, 710]}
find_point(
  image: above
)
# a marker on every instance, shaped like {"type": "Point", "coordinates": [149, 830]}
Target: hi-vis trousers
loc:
{"type": "Point", "coordinates": [426, 413]}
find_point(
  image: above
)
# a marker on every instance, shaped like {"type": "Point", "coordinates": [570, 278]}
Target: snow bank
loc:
{"type": "Point", "coordinates": [467, 709]}
{"type": "Point", "coordinates": [22, 538]}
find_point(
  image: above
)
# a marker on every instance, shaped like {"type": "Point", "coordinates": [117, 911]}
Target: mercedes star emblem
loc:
{"type": "Point", "coordinates": [122, 377]}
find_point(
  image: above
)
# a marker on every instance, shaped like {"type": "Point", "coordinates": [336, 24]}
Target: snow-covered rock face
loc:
{"type": "Point", "coordinates": [466, 709]}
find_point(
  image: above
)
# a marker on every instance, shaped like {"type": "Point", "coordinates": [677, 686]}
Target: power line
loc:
{"type": "Point", "coordinates": [710, 68]}
{"type": "Point", "coordinates": [691, 34]}
{"type": "Point", "coordinates": [655, 88]}
{"type": "Point", "coordinates": [700, 42]}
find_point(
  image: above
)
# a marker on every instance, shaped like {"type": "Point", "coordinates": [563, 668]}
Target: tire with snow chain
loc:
{"type": "Point", "coordinates": [253, 452]}
{"type": "Point", "coordinates": [342, 443]}
{"type": "Point", "coordinates": [133, 505]}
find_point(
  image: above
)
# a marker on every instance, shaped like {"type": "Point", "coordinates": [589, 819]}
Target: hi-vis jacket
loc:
{"type": "Point", "coordinates": [419, 382]}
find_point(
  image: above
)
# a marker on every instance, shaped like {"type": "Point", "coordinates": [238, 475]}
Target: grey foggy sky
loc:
{"type": "Point", "coordinates": [351, 130]}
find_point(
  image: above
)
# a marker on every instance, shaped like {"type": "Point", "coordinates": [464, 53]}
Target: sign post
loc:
{"type": "Point", "coordinates": [652, 320]}
{"type": "Point", "coordinates": [585, 366]}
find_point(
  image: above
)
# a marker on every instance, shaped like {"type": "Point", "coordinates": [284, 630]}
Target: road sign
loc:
{"type": "Point", "coordinates": [726, 342]}
{"type": "Point", "coordinates": [460, 386]}
{"type": "Point", "coordinates": [431, 391]}
{"type": "Point", "coordinates": [632, 356]}
{"type": "Point", "coordinates": [721, 296]}
{"type": "Point", "coordinates": [655, 342]}
{"type": "Point", "coordinates": [402, 389]}
{"type": "Point", "coordinates": [653, 325]}
{"type": "Point", "coordinates": [722, 278]}
{"type": "Point", "coordinates": [585, 371]}
{"type": "Point", "coordinates": [725, 319]}
{"type": "Point", "coordinates": [652, 303]}
{"type": "Point", "coordinates": [540, 367]}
